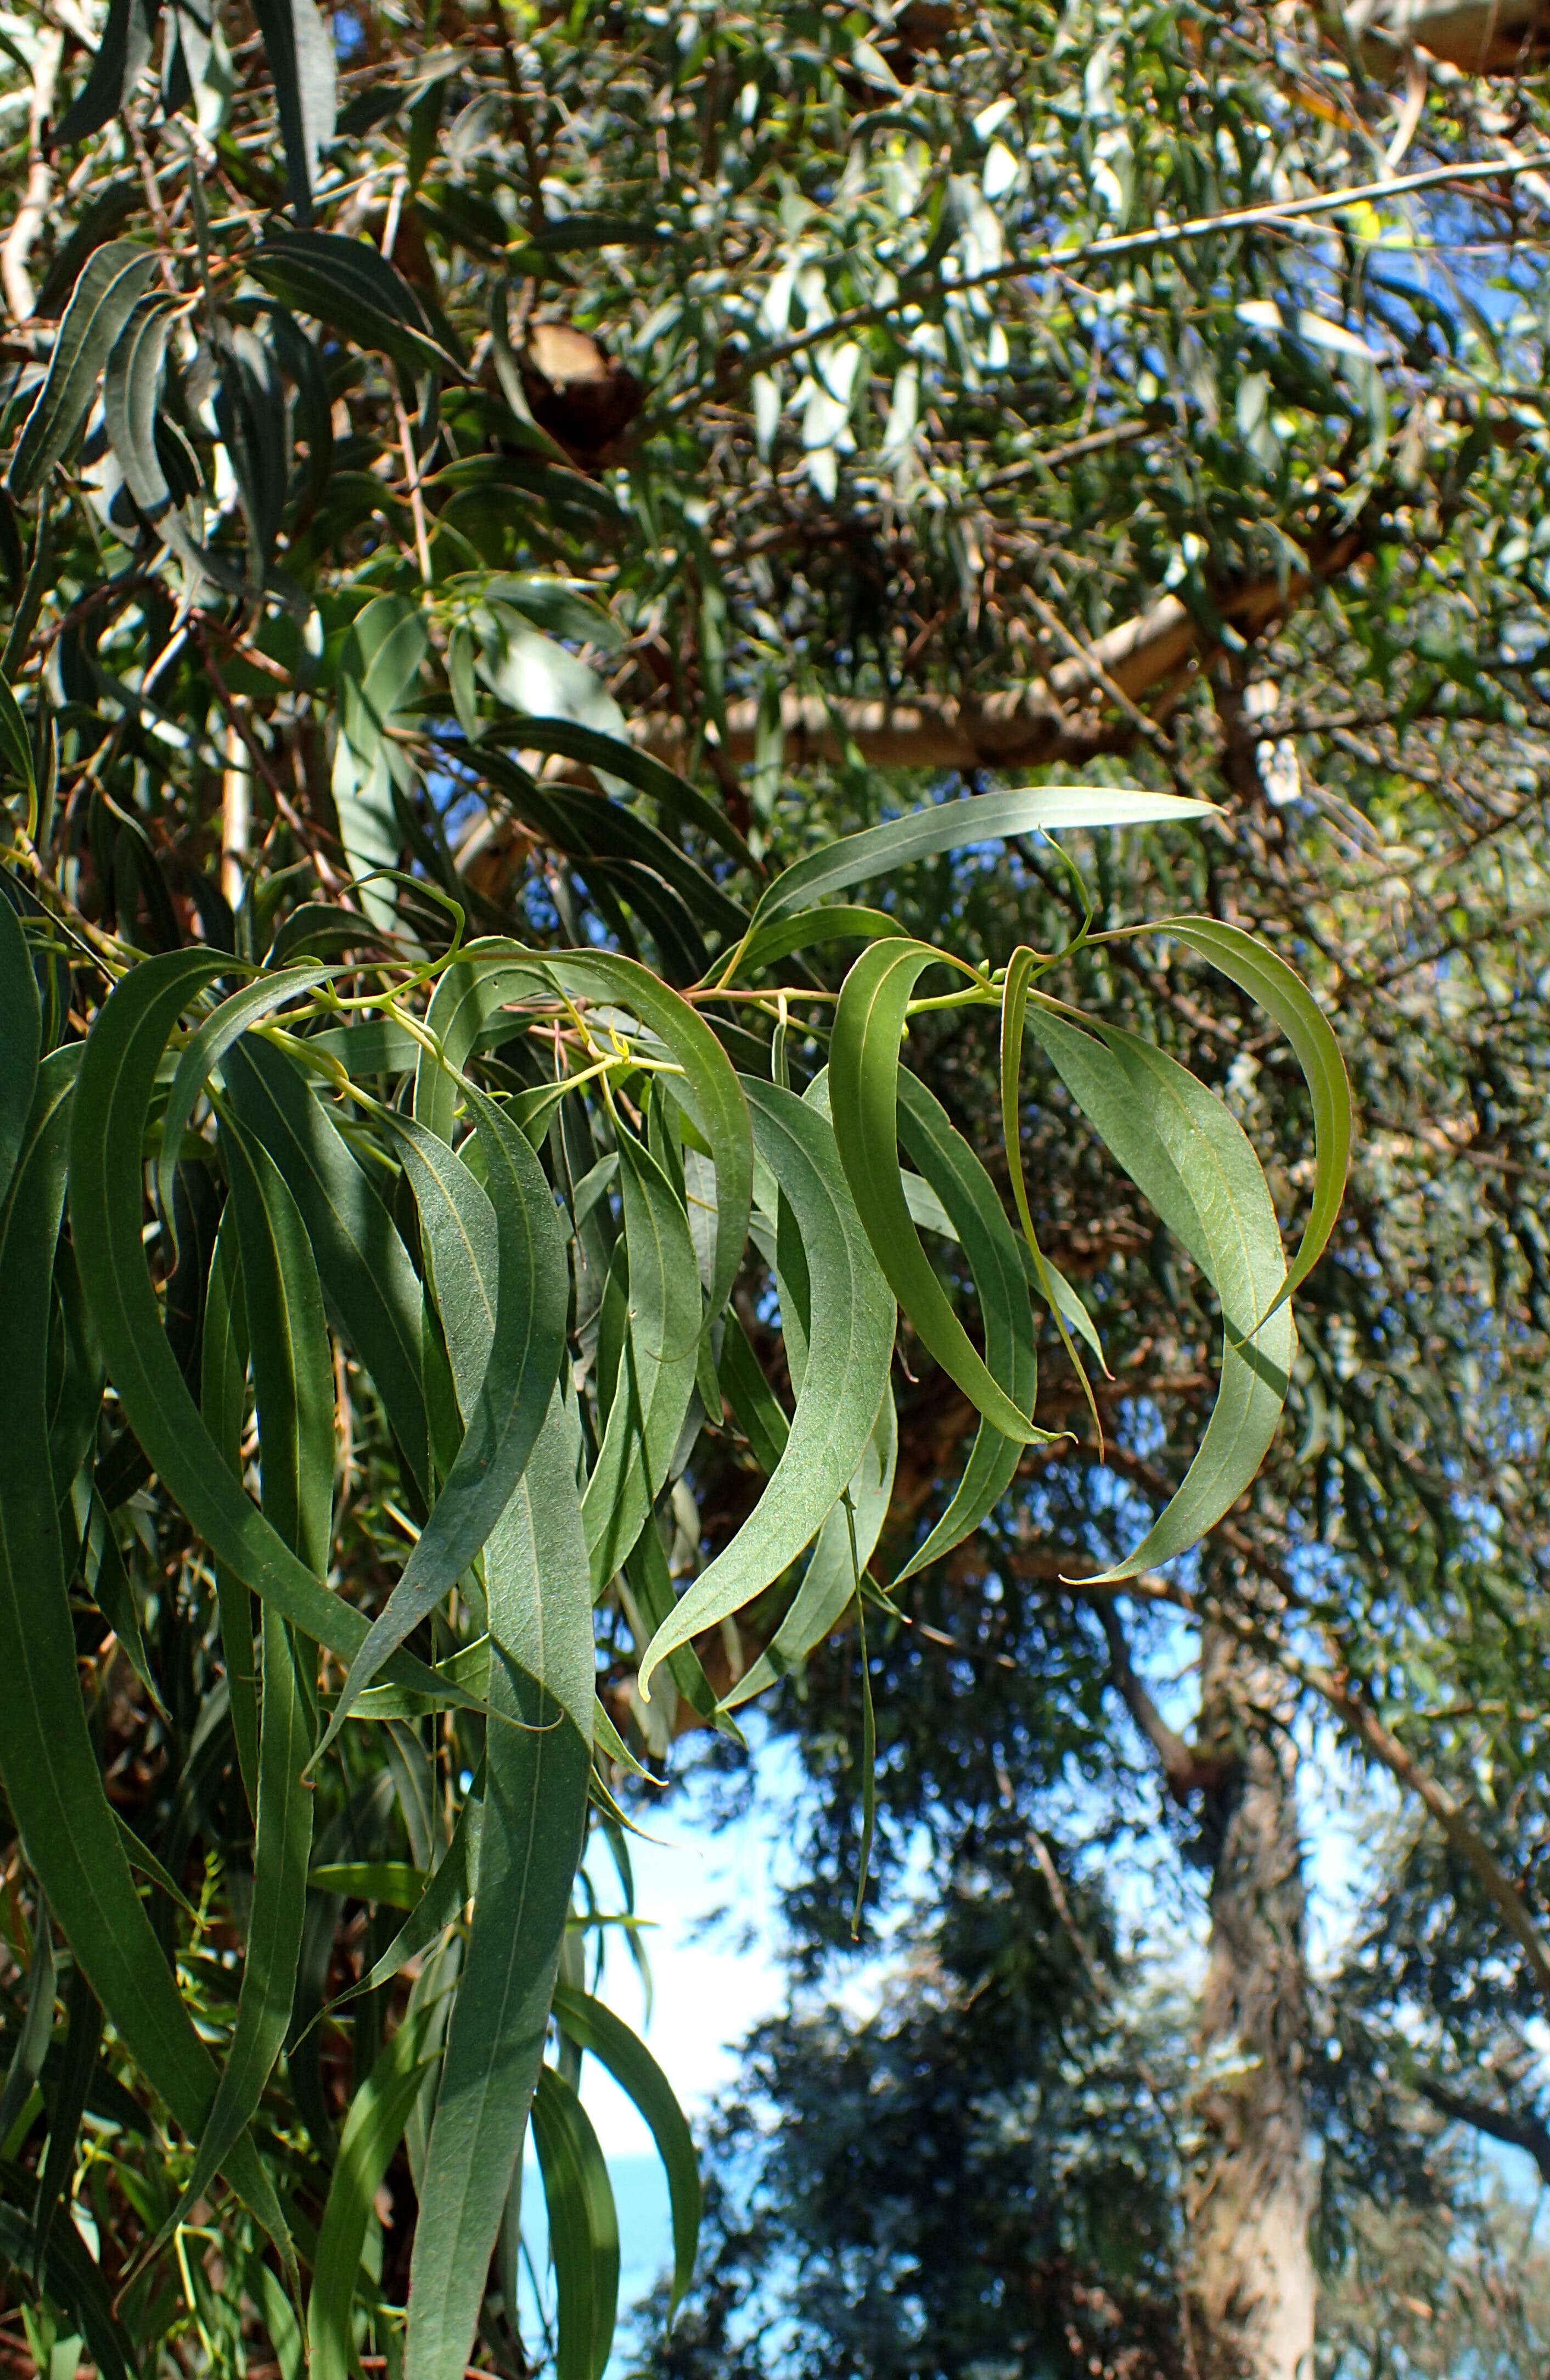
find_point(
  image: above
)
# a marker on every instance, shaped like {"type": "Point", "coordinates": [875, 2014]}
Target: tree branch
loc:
{"type": "Point", "coordinates": [1185, 1771]}
{"type": "Point", "coordinates": [1526, 2132]}
{"type": "Point", "coordinates": [1063, 717]}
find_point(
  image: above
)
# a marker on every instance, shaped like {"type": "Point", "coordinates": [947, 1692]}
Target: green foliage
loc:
{"type": "Point", "coordinates": [424, 1185]}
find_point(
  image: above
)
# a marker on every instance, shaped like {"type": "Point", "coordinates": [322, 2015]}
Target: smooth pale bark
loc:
{"type": "Point", "coordinates": [1251, 2196]}
{"type": "Point", "coordinates": [1067, 716]}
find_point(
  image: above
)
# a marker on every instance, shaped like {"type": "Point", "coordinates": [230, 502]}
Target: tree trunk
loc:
{"type": "Point", "coordinates": [1251, 2197]}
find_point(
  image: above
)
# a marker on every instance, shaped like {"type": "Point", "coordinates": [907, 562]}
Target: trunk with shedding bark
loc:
{"type": "Point", "coordinates": [1251, 2196]}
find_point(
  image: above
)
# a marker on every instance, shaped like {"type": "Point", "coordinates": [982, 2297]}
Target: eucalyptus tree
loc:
{"type": "Point", "coordinates": [440, 452]}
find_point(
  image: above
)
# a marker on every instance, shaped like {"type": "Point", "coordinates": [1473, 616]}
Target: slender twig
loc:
{"type": "Point", "coordinates": [1128, 244]}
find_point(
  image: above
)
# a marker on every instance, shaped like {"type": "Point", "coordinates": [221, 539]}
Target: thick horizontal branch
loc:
{"type": "Point", "coordinates": [1064, 717]}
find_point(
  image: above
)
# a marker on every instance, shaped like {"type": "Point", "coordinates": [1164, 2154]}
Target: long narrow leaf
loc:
{"type": "Point", "coordinates": [583, 2228]}
{"type": "Point", "coordinates": [20, 1039]}
{"type": "Point", "coordinates": [951, 826]}
{"type": "Point", "coordinates": [595, 2027]}
{"type": "Point", "coordinates": [864, 1087]}
{"type": "Point", "coordinates": [1280, 992]}
{"type": "Point", "coordinates": [842, 1386]}
{"type": "Point", "coordinates": [513, 1400]}
{"type": "Point", "coordinates": [52, 1776]}
{"type": "Point", "coordinates": [1191, 1158]}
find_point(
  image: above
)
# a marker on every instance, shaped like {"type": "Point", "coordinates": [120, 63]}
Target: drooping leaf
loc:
{"type": "Point", "coordinates": [592, 2025]}
{"type": "Point", "coordinates": [659, 1364]}
{"type": "Point", "coordinates": [50, 1767]}
{"type": "Point", "coordinates": [367, 1275]}
{"type": "Point", "coordinates": [967, 1192]}
{"type": "Point", "coordinates": [298, 43]}
{"type": "Point", "coordinates": [513, 1400]}
{"type": "Point", "coordinates": [222, 1401]}
{"type": "Point", "coordinates": [15, 755]}
{"type": "Point", "coordinates": [1056, 1296]}
{"type": "Point", "coordinates": [122, 57]}
{"type": "Point", "coordinates": [72, 2088]}
{"type": "Point", "coordinates": [131, 402]}
{"type": "Point", "coordinates": [537, 1770]}
{"type": "Point", "coordinates": [609, 757]}
{"type": "Point", "coordinates": [583, 2228]}
{"type": "Point", "coordinates": [103, 298]}
{"type": "Point", "coordinates": [845, 1543]}
{"type": "Point", "coordinates": [864, 1087]}
{"type": "Point", "coordinates": [372, 2131]}
{"type": "Point", "coordinates": [1187, 1155]}
{"type": "Point", "coordinates": [37, 2024]}
{"type": "Point", "coordinates": [71, 2276]}
{"type": "Point", "coordinates": [293, 1383]}
{"type": "Point", "coordinates": [116, 1075]}
{"type": "Point", "coordinates": [491, 972]}
{"type": "Point", "coordinates": [207, 1046]}
{"type": "Point", "coordinates": [20, 1039]}
{"type": "Point", "coordinates": [347, 285]}
{"type": "Point", "coordinates": [843, 1384]}
{"type": "Point", "coordinates": [1280, 992]}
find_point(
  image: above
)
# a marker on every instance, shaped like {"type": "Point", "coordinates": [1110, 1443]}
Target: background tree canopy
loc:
{"type": "Point", "coordinates": [556, 565]}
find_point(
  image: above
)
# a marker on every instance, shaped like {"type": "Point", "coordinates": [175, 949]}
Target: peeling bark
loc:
{"type": "Point", "coordinates": [1251, 2196]}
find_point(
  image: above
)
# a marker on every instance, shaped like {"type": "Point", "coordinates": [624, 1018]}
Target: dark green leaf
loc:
{"type": "Point", "coordinates": [583, 2228]}
{"type": "Point", "coordinates": [102, 301]}
{"type": "Point", "coordinates": [20, 1039]}
{"type": "Point", "coordinates": [864, 1086]}
{"type": "Point", "coordinates": [595, 2027]}
{"type": "Point", "coordinates": [843, 1383]}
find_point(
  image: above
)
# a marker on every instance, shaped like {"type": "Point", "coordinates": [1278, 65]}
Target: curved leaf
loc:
{"type": "Point", "coordinates": [658, 1368]}
{"type": "Point", "coordinates": [118, 1071]}
{"type": "Point", "coordinates": [20, 1039]}
{"type": "Point", "coordinates": [365, 1266]}
{"type": "Point", "coordinates": [537, 1770]}
{"type": "Point", "coordinates": [222, 1401]}
{"type": "Point", "coordinates": [846, 1543]}
{"type": "Point", "coordinates": [372, 2129]}
{"type": "Point", "coordinates": [1280, 992]}
{"type": "Point", "coordinates": [491, 972]}
{"type": "Point", "coordinates": [850, 1349]}
{"type": "Point", "coordinates": [808, 929]}
{"type": "Point", "coordinates": [1055, 1292]}
{"type": "Point", "coordinates": [611, 757]}
{"type": "Point", "coordinates": [16, 751]}
{"type": "Point", "coordinates": [969, 1197]}
{"type": "Point", "coordinates": [513, 1400]}
{"type": "Point", "coordinates": [1190, 1156]}
{"type": "Point", "coordinates": [593, 2026]}
{"type": "Point", "coordinates": [47, 1756]}
{"type": "Point", "coordinates": [112, 279]}
{"type": "Point", "coordinates": [293, 1384]}
{"type": "Point", "coordinates": [583, 2228]}
{"type": "Point", "coordinates": [950, 826]}
{"type": "Point", "coordinates": [207, 1046]}
{"type": "Point", "coordinates": [346, 283]}
{"type": "Point", "coordinates": [863, 1088]}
